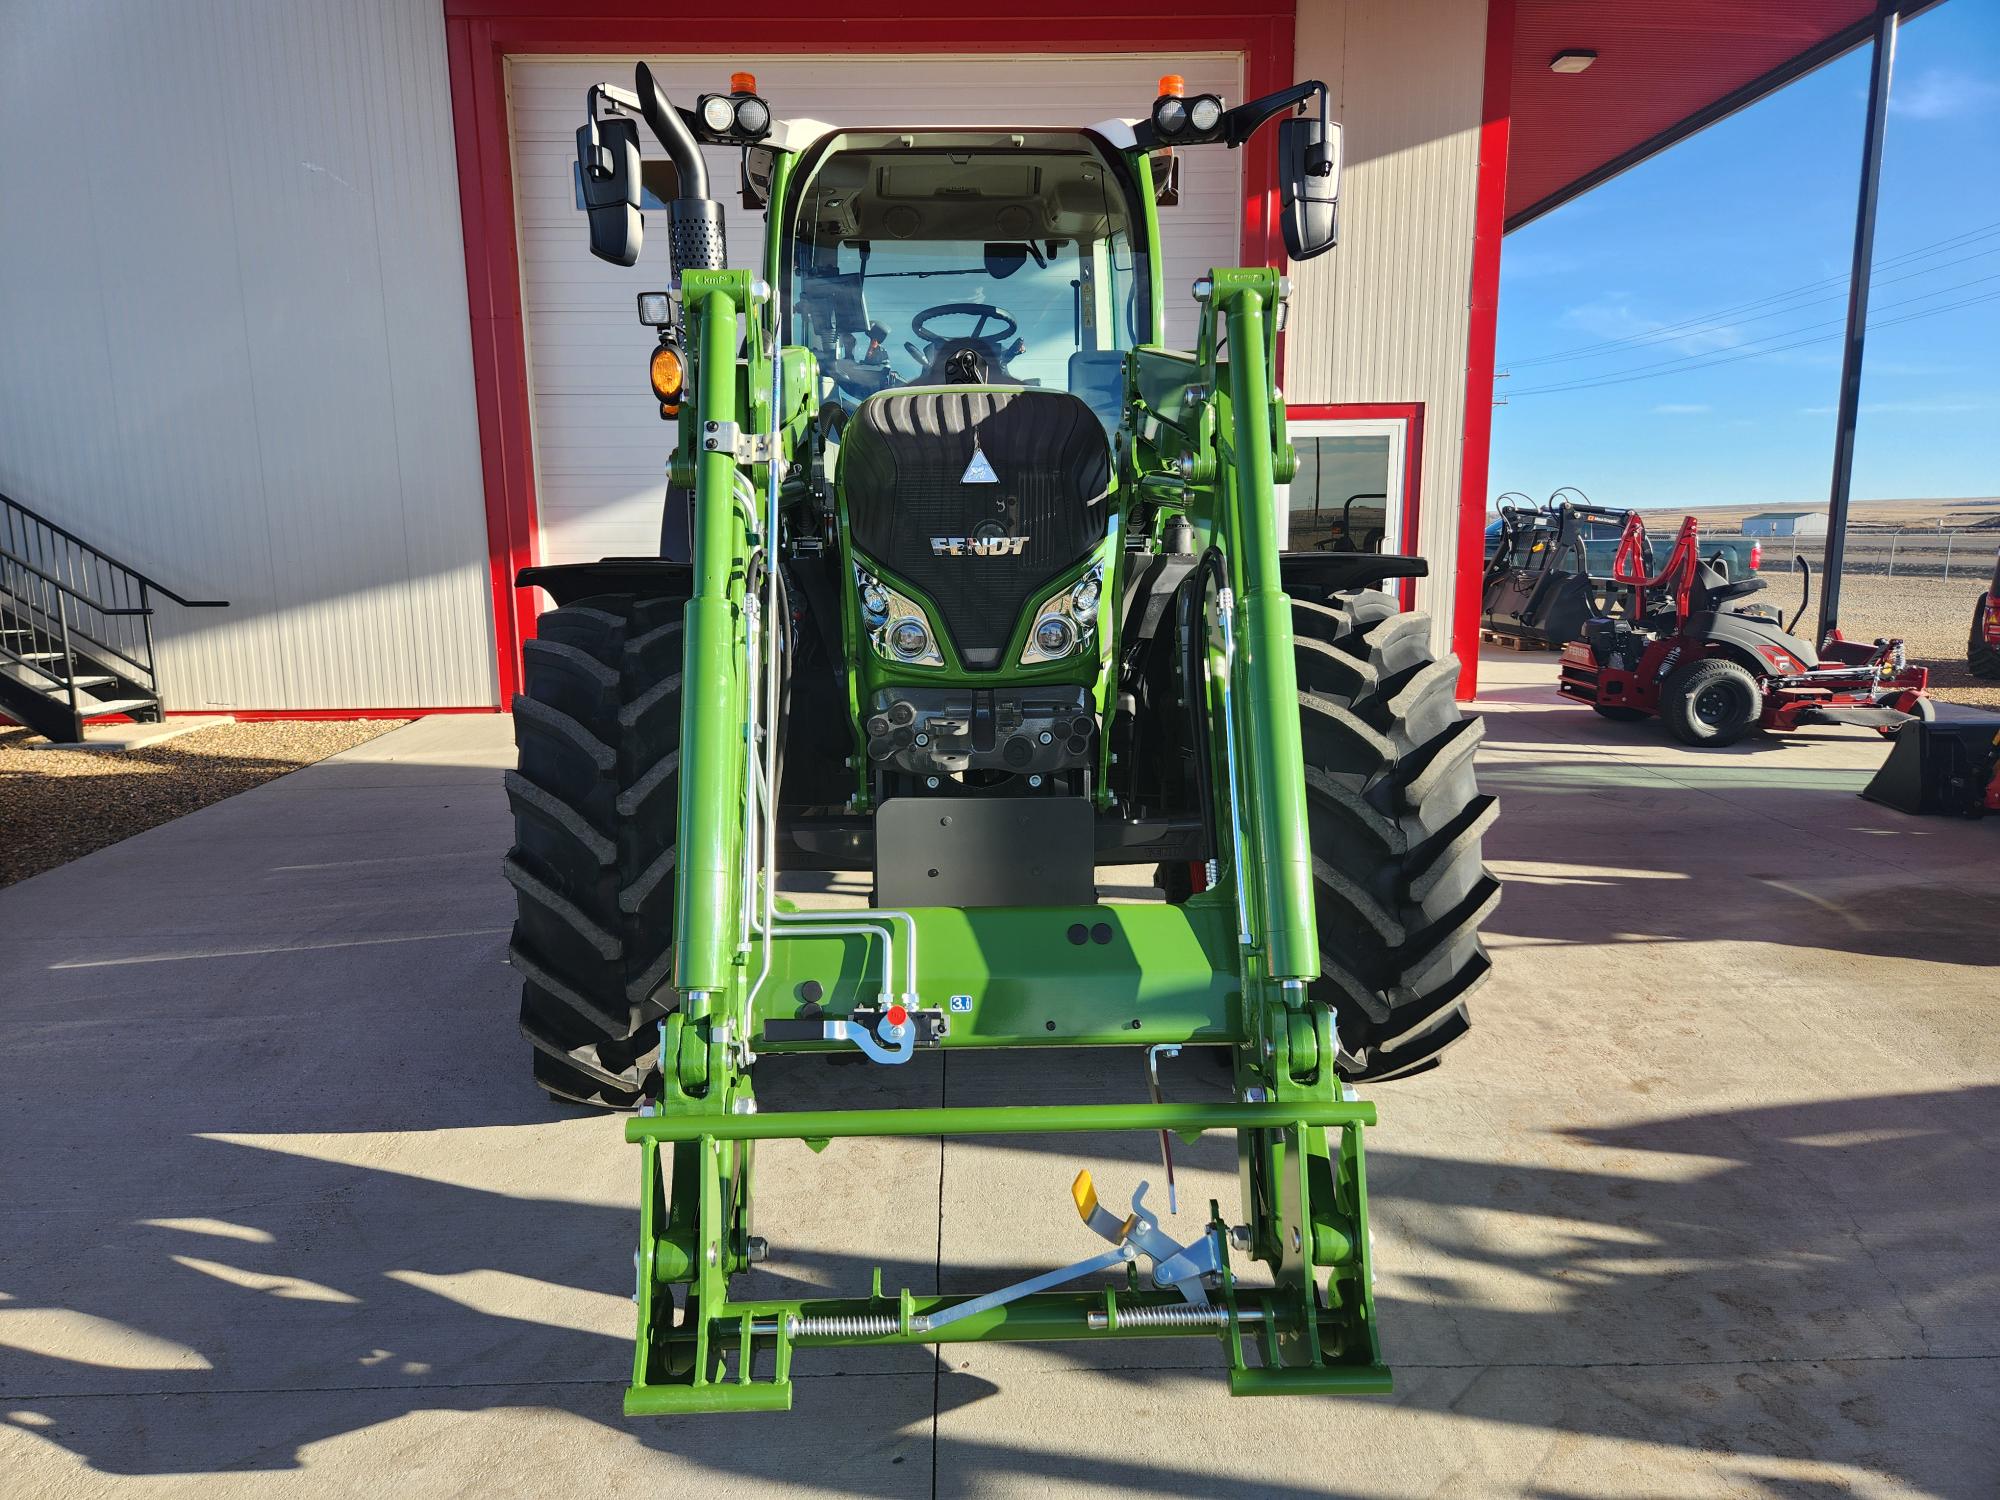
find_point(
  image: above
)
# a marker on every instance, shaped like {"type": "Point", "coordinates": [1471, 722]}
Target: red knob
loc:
{"type": "Point", "coordinates": [898, 1015]}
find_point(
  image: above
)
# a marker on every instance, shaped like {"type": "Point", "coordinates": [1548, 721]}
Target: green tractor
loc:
{"type": "Point", "coordinates": [967, 582]}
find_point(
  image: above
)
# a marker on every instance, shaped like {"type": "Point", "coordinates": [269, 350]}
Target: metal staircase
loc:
{"type": "Point", "coordinates": [76, 629]}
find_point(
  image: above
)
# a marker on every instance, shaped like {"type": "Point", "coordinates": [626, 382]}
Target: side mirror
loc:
{"type": "Point", "coordinates": [607, 151]}
{"type": "Point", "coordinates": [1309, 185]}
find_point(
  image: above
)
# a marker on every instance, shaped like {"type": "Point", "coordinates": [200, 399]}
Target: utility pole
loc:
{"type": "Point", "coordinates": [1857, 321]}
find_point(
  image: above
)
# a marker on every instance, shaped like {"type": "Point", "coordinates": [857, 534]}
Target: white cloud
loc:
{"type": "Point", "coordinates": [1682, 409]}
{"type": "Point", "coordinates": [1941, 94]}
{"type": "Point", "coordinates": [1612, 318]}
{"type": "Point", "coordinates": [1903, 408]}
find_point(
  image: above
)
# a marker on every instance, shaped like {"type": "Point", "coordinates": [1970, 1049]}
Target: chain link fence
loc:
{"type": "Point", "coordinates": [1913, 552]}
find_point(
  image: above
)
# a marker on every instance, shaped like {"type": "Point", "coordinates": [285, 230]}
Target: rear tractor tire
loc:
{"type": "Point", "coordinates": [595, 803]}
{"type": "Point", "coordinates": [1711, 702]}
{"type": "Point", "coordinates": [1396, 823]}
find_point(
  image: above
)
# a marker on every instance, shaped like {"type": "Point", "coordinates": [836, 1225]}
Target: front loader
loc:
{"type": "Point", "coordinates": [969, 583]}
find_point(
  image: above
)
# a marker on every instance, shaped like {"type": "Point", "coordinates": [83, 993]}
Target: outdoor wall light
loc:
{"type": "Point", "coordinates": [1571, 60]}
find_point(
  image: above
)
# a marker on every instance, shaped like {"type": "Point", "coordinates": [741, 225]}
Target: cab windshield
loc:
{"type": "Point", "coordinates": [978, 264]}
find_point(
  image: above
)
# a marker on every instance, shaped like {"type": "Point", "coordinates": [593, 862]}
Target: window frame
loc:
{"type": "Point", "coordinates": [1402, 422]}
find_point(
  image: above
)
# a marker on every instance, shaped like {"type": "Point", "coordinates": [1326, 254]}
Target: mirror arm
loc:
{"type": "Point", "coordinates": [1242, 122]}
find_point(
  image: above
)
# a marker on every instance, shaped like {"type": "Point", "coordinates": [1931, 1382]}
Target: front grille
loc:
{"type": "Point", "coordinates": [903, 464]}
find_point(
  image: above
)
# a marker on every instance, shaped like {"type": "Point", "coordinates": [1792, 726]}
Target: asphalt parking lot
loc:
{"type": "Point", "coordinates": [1704, 1206]}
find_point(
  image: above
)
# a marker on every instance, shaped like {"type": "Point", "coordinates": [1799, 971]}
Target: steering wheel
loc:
{"type": "Point", "coordinates": [920, 324]}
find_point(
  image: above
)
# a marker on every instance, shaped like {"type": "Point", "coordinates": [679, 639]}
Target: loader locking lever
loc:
{"type": "Point", "coordinates": [1175, 1265]}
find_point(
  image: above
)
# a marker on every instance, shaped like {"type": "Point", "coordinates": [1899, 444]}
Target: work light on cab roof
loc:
{"type": "Point", "coordinates": [967, 583]}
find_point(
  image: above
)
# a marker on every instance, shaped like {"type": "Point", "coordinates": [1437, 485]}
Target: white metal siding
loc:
{"type": "Point", "coordinates": [237, 354]}
{"type": "Point", "coordinates": [1386, 316]}
{"type": "Point", "coordinates": [600, 446]}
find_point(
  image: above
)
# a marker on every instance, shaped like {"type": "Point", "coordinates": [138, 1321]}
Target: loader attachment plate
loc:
{"type": "Point", "coordinates": [1312, 1330]}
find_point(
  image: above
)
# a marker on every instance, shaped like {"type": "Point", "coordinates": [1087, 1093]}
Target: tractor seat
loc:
{"type": "Point", "coordinates": [1712, 589]}
{"type": "Point", "coordinates": [979, 496]}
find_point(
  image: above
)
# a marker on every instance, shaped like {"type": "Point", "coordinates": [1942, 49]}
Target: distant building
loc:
{"type": "Point", "coordinates": [1785, 523]}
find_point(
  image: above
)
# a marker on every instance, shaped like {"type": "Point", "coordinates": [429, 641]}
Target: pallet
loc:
{"type": "Point", "coordinates": [1518, 642]}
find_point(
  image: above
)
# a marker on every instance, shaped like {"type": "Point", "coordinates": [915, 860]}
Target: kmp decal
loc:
{"type": "Point", "coordinates": [978, 546]}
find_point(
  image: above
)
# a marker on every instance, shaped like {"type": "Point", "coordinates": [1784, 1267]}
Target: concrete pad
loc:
{"type": "Point", "coordinates": [1701, 1206]}
{"type": "Point", "coordinates": [133, 735]}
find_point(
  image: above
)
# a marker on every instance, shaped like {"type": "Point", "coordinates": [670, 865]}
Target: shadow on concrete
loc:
{"type": "Point", "coordinates": [284, 1300]}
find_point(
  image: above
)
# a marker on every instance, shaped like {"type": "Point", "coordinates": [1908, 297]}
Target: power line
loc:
{"type": "Point", "coordinates": [1695, 361]}
{"type": "Point", "coordinates": [1661, 336]}
{"type": "Point", "coordinates": [1740, 355]}
{"type": "Point", "coordinates": [1700, 321]}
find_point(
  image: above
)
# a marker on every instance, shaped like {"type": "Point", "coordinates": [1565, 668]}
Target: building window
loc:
{"type": "Point", "coordinates": [1352, 489]}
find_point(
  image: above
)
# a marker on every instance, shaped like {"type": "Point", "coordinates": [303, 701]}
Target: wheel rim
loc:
{"type": "Point", "coordinates": [1715, 706]}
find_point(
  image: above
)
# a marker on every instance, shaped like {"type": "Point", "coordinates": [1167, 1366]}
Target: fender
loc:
{"type": "Point", "coordinates": [566, 583]}
{"type": "Point", "coordinates": [1745, 641]}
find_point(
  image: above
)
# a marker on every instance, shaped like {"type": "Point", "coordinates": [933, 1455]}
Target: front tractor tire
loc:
{"type": "Point", "coordinates": [595, 802]}
{"type": "Point", "coordinates": [1396, 824]}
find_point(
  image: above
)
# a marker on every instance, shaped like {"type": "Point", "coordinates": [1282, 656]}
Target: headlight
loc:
{"type": "Point", "coordinates": [656, 309]}
{"type": "Point", "coordinates": [1065, 623]}
{"type": "Point", "coordinates": [718, 113]}
{"type": "Point", "coordinates": [1170, 115]}
{"type": "Point", "coordinates": [910, 639]}
{"type": "Point", "coordinates": [753, 116]}
{"type": "Point", "coordinates": [896, 625]}
{"type": "Point", "coordinates": [1204, 113]}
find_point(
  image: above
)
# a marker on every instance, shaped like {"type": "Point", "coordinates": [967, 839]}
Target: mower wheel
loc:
{"type": "Point", "coordinates": [1982, 659]}
{"type": "Point", "coordinates": [1396, 820]}
{"type": "Point", "coordinates": [1618, 713]}
{"type": "Point", "coordinates": [1711, 702]}
{"type": "Point", "coordinates": [595, 808]}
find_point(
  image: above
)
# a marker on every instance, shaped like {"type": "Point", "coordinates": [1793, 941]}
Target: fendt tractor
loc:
{"type": "Point", "coordinates": [966, 582]}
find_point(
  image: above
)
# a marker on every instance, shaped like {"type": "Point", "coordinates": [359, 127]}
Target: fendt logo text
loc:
{"type": "Point", "coordinates": [978, 546]}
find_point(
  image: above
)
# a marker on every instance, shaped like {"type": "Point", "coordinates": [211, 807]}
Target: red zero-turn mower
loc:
{"type": "Point", "coordinates": [1714, 668]}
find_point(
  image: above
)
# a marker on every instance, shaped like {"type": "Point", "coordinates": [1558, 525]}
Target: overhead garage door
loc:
{"type": "Point", "coordinates": [600, 446]}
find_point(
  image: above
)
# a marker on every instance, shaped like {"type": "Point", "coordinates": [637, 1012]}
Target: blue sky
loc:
{"type": "Point", "coordinates": [1738, 240]}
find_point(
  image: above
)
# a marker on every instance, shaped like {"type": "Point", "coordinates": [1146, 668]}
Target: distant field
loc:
{"type": "Point", "coordinates": [1862, 514]}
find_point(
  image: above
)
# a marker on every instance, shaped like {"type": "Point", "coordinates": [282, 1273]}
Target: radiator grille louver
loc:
{"type": "Point", "coordinates": [902, 470]}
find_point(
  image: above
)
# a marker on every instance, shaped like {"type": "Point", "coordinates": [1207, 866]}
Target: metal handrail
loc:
{"type": "Point", "coordinates": [97, 646]}
{"type": "Point", "coordinates": [70, 536]}
{"type": "Point", "coordinates": [72, 600]}
{"type": "Point", "coordinates": [73, 592]}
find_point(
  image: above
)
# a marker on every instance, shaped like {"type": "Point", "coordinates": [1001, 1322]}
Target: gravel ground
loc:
{"type": "Point", "coordinates": [57, 805]}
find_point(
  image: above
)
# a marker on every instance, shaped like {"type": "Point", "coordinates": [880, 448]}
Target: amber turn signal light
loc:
{"type": "Point", "coordinates": [669, 376]}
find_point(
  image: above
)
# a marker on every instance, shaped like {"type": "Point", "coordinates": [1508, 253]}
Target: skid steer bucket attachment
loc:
{"type": "Point", "coordinates": [1941, 766]}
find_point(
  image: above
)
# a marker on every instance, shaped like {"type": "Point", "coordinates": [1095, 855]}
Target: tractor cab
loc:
{"type": "Point", "coordinates": [969, 258]}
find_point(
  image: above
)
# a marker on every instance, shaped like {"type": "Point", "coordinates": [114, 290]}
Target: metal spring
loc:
{"type": "Point", "coordinates": [844, 1325]}
{"type": "Point", "coordinates": [1186, 1315]}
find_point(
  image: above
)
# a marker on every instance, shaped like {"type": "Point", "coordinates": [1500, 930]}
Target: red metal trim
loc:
{"type": "Point", "coordinates": [1411, 414]}
{"type": "Point", "coordinates": [263, 715]}
{"type": "Point", "coordinates": [266, 715]}
{"type": "Point", "coordinates": [1488, 222]}
{"type": "Point", "coordinates": [481, 34]}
